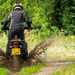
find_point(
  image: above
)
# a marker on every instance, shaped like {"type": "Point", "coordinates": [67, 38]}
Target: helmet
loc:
{"type": "Point", "coordinates": [18, 6]}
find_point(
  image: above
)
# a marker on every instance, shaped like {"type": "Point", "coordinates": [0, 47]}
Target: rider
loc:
{"type": "Point", "coordinates": [15, 23]}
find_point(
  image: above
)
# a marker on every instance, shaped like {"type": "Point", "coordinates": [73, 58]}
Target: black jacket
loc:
{"type": "Point", "coordinates": [16, 20]}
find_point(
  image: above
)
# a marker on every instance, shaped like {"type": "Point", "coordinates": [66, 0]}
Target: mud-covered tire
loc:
{"type": "Point", "coordinates": [16, 63]}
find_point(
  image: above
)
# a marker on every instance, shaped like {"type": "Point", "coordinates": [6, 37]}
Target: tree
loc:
{"type": "Point", "coordinates": [57, 15]}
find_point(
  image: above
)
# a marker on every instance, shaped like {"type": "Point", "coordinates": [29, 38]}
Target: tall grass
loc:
{"type": "Point", "coordinates": [3, 41]}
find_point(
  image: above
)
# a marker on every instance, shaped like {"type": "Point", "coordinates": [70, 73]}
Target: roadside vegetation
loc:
{"type": "Point", "coordinates": [66, 70]}
{"type": "Point", "coordinates": [4, 71]}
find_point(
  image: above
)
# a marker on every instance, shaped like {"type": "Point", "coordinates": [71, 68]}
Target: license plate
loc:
{"type": "Point", "coordinates": [16, 51]}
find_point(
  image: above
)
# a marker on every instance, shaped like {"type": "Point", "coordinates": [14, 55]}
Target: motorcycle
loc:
{"type": "Point", "coordinates": [15, 53]}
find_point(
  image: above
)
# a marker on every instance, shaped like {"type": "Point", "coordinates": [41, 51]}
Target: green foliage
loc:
{"type": "Point", "coordinates": [5, 8]}
{"type": "Point", "coordinates": [69, 17]}
{"type": "Point", "coordinates": [50, 15]}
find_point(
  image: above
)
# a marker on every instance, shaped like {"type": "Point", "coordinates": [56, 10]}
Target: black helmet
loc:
{"type": "Point", "coordinates": [18, 6]}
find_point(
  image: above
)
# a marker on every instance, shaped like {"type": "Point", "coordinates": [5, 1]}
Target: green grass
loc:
{"type": "Point", "coordinates": [69, 43]}
{"type": "Point", "coordinates": [24, 71]}
{"type": "Point", "coordinates": [32, 69]}
{"type": "Point", "coordinates": [3, 41]}
{"type": "Point", "coordinates": [4, 71]}
{"type": "Point", "coordinates": [67, 70]}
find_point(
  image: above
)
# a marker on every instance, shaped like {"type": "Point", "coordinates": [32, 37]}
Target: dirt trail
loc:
{"type": "Point", "coordinates": [53, 66]}
{"type": "Point", "coordinates": [13, 73]}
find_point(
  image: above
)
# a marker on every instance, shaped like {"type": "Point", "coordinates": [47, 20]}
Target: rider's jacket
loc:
{"type": "Point", "coordinates": [16, 20]}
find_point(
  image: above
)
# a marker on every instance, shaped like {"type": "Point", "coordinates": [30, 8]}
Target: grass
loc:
{"type": "Point", "coordinates": [4, 71]}
{"type": "Point", "coordinates": [30, 70]}
{"type": "Point", "coordinates": [24, 71]}
{"type": "Point", "coordinates": [3, 41]}
{"type": "Point", "coordinates": [69, 42]}
{"type": "Point", "coordinates": [67, 70]}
